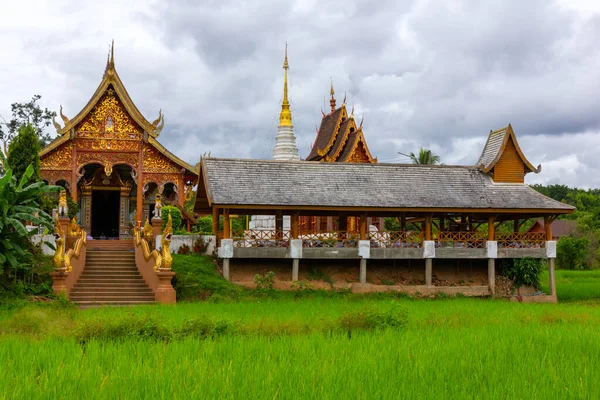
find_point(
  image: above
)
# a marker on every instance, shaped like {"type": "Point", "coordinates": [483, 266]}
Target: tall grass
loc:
{"type": "Point", "coordinates": [575, 285]}
{"type": "Point", "coordinates": [456, 348]}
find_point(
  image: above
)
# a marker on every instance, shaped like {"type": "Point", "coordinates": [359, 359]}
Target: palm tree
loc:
{"type": "Point", "coordinates": [425, 157]}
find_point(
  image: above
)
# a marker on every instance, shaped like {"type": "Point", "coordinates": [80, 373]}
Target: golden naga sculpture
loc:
{"type": "Point", "coordinates": [140, 241]}
{"type": "Point", "coordinates": [74, 228]}
{"type": "Point", "coordinates": [166, 243]}
{"type": "Point", "coordinates": [59, 253]}
{"type": "Point", "coordinates": [147, 233]}
{"type": "Point", "coordinates": [62, 204]}
{"type": "Point", "coordinates": [76, 251]}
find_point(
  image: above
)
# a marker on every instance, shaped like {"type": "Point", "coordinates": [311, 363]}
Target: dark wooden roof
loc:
{"type": "Point", "coordinates": [326, 131]}
{"type": "Point", "coordinates": [234, 182]}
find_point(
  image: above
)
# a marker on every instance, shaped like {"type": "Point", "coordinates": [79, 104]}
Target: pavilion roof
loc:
{"type": "Point", "coordinates": [297, 184]}
{"type": "Point", "coordinates": [494, 147]}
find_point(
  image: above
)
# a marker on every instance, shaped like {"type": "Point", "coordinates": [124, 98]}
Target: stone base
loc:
{"type": "Point", "coordinates": [164, 293]}
{"type": "Point", "coordinates": [542, 298]}
{"type": "Point", "coordinates": [58, 282]}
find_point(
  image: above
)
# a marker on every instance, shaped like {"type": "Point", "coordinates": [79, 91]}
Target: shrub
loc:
{"type": "Point", "coordinates": [368, 319]}
{"type": "Point", "coordinates": [175, 216]}
{"type": "Point", "coordinates": [204, 225]}
{"type": "Point", "coordinates": [200, 245]}
{"type": "Point", "coordinates": [184, 249]}
{"type": "Point", "coordinates": [265, 282]}
{"type": "Point", "coordinates": [522, 271]}
{"type": "Point", "coordinates": [197, 278]}
{"type": "Point", "coordinates": [571, 253]}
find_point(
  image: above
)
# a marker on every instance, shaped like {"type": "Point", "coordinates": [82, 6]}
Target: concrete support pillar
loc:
{"type": "Point", "coordinates": [428, 272]}
{"type": "Point", "coordinates": [226, 269]}
{"type": "Point", "coordinates": [551, 276]}
{"type": "Point", "coordinates": [492, 275]}
{"type": "Point", "coordinates": [295, 269]}
{"type": "Point", "coordinates": [363, 270]}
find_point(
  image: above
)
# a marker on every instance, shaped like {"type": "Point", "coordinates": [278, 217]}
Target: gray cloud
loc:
{"type": "Point", "coordinates": [423, 73]}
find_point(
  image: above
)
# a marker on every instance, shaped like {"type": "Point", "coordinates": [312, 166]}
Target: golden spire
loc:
{"type": "Point", "coordinates": [112, 54]}
{"type": "Point", "coordinates": [331, 92]}
{"type": "Point", "coordinates": [285, 116]}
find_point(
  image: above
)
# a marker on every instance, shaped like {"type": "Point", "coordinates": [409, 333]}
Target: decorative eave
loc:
{"type": "Point", "coordinates": [360, 138]}
{"type": "Point", "coordinates": [56, 143]}
{"type": "Point", "coordinates": [172, 156]}
{"type": "Point", "coordinates": [111, 77]}
{"type": "Point", "coordinates": [340, 143]}
{"type": "Point", "coordinates": [497, 153]}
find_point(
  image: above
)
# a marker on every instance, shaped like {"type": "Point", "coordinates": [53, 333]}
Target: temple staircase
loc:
{"type": "Point", "coordinates": [110, 276]}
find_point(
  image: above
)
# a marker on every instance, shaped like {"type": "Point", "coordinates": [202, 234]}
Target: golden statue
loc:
{"type": "Point", "coordinates": [59, 254]}
{"type": "Point", "coordinates": [167, 260]}
{"type": "Point", "coordinates": [63, 210]}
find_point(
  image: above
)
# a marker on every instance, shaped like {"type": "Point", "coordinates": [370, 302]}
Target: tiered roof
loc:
{"type": "Point", "coordinates": [340, 139]}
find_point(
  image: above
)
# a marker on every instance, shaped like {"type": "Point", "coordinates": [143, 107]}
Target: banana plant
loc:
{"type": "Point", "coordinates": [20, 203]}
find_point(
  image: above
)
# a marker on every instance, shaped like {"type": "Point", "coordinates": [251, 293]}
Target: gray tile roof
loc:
{"type": "Point", "coordinates": [305, 183]}
{"type": "Point", "coordinates": [492, 148]}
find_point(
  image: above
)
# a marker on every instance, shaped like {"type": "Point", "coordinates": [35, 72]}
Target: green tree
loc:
{"type": "Point", "coordinates": [425, 156]}
{"type": "Point", "coordinates": [19, 203]}
{"type": "Point", "coordinates": [29, 113]}
{"type": "Point", "coordinates": [24, 151]}
{"type": "Point", "coordinates": [176, 216]}
{"type": "Point", "coordinates": [572, 253]}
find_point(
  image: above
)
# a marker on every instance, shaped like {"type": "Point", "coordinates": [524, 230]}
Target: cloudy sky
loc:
{"type": "Point", "coordinates": [438, 74]}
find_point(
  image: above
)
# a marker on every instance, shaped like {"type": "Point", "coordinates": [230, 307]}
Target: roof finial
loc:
{"type": "Point", "coordinates": [344, 102]}
{"type": "Point", "coordinates": [285, 116]}
{"type": "Point", "coordinates": [352, 112]}
{"type": "Point", "coordinates": [331, 92]}
{"type": "Point", "coordinates": [112, 54]}
{"type": "Point", "coordinates": [361, 121]}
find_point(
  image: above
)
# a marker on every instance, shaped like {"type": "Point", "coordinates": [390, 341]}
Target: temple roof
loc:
{"type": "Point", "coordinates": [112, 86]}
{"type": "Point", "coordinates": [494, 147]}
{"type": "Point", "coordinates": [336, 138]}
{"type": "Point", "coordinates": [287, 184]}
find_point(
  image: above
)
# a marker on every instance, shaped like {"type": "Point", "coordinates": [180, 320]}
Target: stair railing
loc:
{"type": "Point", "coordinates": [69, 264]}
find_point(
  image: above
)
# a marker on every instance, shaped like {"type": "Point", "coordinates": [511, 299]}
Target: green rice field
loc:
{"type": "Point", "coordinates": [319, 345]}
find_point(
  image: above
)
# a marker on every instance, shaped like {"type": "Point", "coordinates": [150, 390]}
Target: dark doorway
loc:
{"type": "Point", "coordinates": [105, 214]}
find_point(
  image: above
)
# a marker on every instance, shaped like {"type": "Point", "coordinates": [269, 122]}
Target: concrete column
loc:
{"type": "Point", "coordinates": [551, 276]}
{"type": "Point", "coordinates": [226, 269]}
{"type": "Point", "coordinates": [295, 269]}
{"type": "Point", "coordinates": [428, 272]}
{"type": "Point", "coordinates": [492, 275]}
{"type": "Point", "coordinates": [363, 270]}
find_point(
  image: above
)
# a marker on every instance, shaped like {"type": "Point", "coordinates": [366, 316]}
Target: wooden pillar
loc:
{"type": "Point", "coordinates": [491, 228]}
{"type": "Point", "coordinates": [403, 222]}
{"type": "Point", "coordinates": [278, 222]}
{"type": "Point", "coordinates": [226, 222]}
{"type": "Point", "coordinates": [215, 220]}
{"type": "Point", "coordinates": [428, 227]}
{"type": "Point", "coordinates": [548, 227]}
{"type": "Point", "coordinates": [516, 225]}
{"type": "Point", "coordinates": [329, 224]}
{"type": "Point", "coordinates": [294, 225]}
{"type": "Point", "coordinates": [74, 175]}
{"type": "Point", "coordinates": [363, 227]}
{"type": "Point", "coordinates": [140, 190]}
{"type": "Point", "coordinates": [442, 223]}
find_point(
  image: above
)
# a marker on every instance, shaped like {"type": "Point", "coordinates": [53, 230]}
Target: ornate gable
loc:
{"type": "Point", "coordinates": [503, 159]}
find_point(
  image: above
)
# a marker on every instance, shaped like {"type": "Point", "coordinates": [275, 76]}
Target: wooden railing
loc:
{"type": "Point", "coordinates": [465, 240]}
{"type": "Point", "coordinates": [396, 239]}
{"type": "Point", "coordinates": [261, 238]}
{"type": "Point", "coordinates": [526, 240]}
{"type": "Point", "coordinates": [337, 239]}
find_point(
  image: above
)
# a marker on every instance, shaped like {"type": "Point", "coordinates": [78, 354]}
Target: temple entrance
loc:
{"type": "Point", "coordinates": [105, 214]}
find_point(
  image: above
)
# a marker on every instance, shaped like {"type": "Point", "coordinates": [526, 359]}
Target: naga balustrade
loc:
{"type": "Point", "coordinates": [396, 239]}
{"type": "Point", "coordinates": [261, 238]}
{"type": "Point", "coordinates": [465, 240]}
{"type": "Point", "coordinates": [524, 240]}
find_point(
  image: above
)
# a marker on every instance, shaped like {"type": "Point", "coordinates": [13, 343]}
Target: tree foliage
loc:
{"type": "Point", "coordinates": [176, 216]}
{"type": "Point", "coordinates": [24, 151]}
{"type": "Point", "coordinates": [425, 156]}
{"type": "Point", "coordinates": [19, 202]}
{"type": "Point", "coordinates": [29, 113]}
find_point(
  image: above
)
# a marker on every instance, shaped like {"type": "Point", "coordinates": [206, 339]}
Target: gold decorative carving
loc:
{"type": "Point", "coordinates": [138, 240]}
{"type": "Point", "coordinates": [359, 155]}
{"type": "Point", "coordinates": [109, 118]}
{"type": "Point", "coordinates": [107, 159]}
{"type": "Point", "coordinates": [154, 161]}
{"type": "Point", "coordinates": [160, 179]}
{"type": "Point", "coordinates": [52, 177]}
{"type": "Point", "coordinates": [76, 250]}
{"type": "Point", "coordinates": [59, 159]}
{"type": "Point", "coordinates": [107, 145]}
